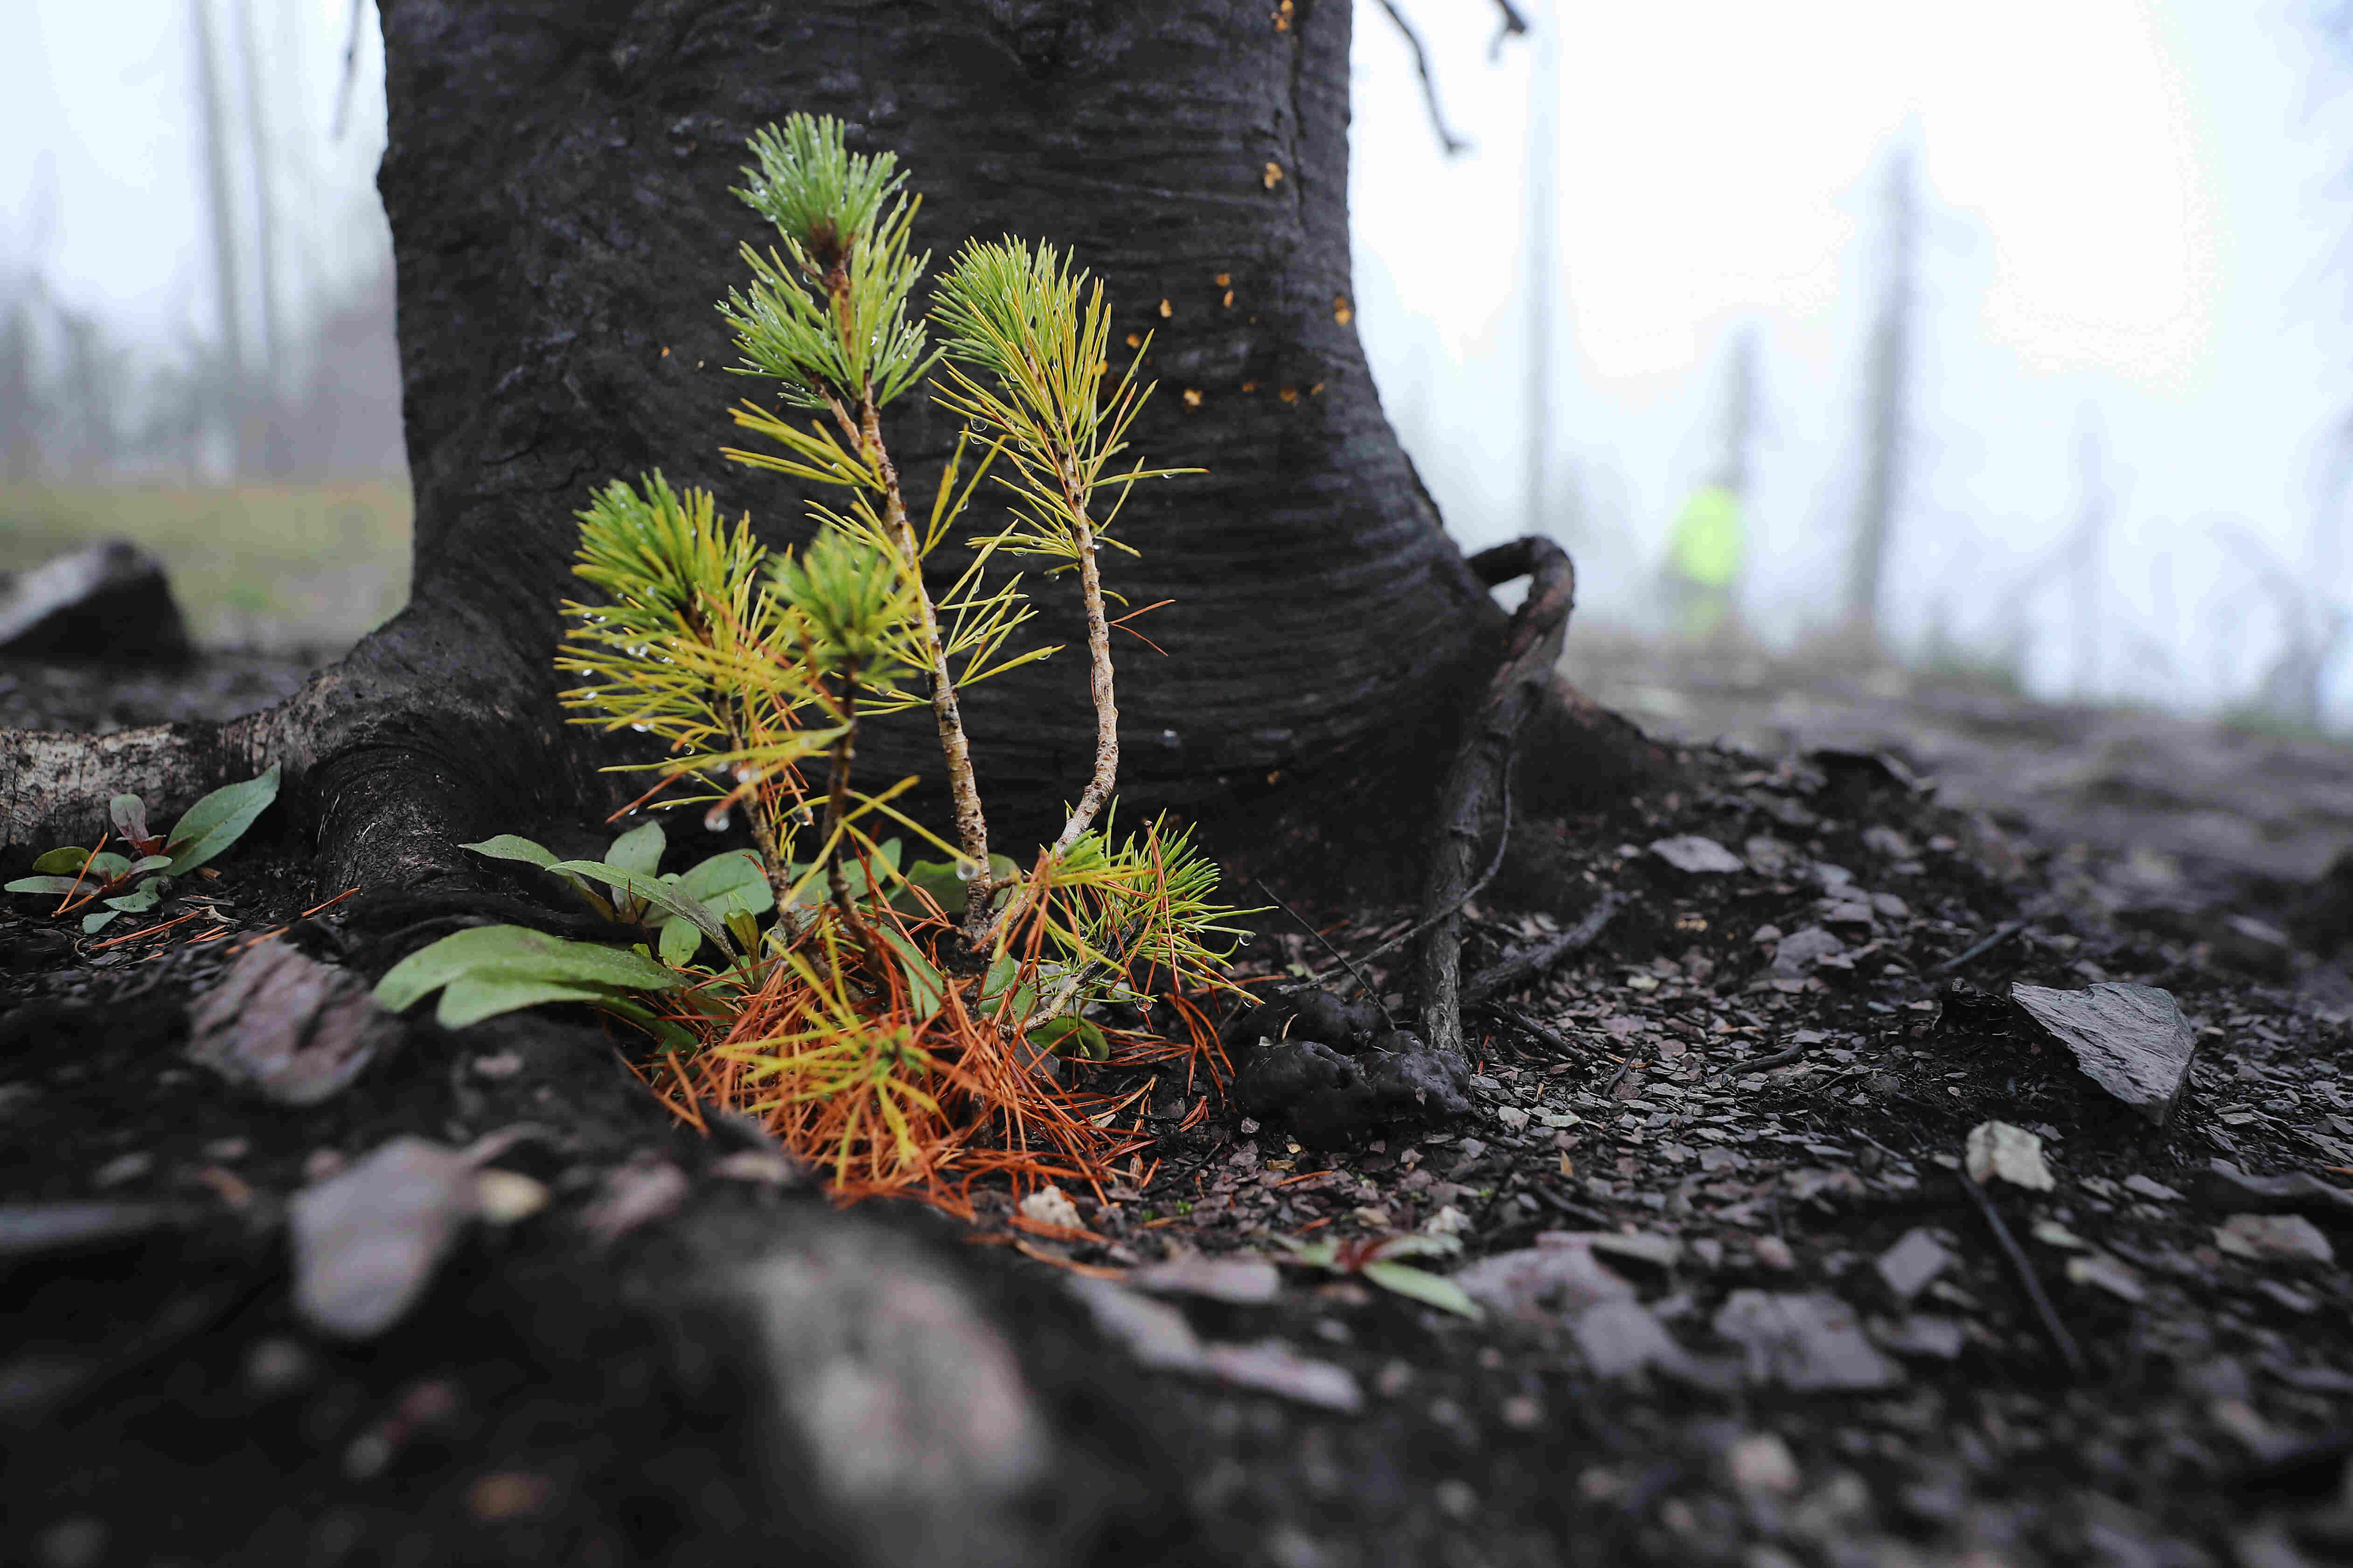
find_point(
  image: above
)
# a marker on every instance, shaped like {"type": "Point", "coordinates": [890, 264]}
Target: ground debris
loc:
{"type": "Point", "coordinates": [368, 1240]}
{"type": "Point", "coordinates": [2131, 1040]}
{"type": "Point", "coordinates": [1803, 1341]}
{"type": "Point", "coordinates": [288, 1027]}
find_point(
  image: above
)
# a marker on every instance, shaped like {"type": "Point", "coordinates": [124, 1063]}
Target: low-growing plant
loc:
{"type": "Point", "coordinates": [133, 883]}
{"type": "Point", "coordinates": [1377, 1261]}
{"type": "Point", "coordinates": [907, 1022]}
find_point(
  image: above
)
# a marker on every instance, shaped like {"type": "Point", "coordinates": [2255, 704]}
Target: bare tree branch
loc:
{"type": "Point", "coordinates": [1455, 145]}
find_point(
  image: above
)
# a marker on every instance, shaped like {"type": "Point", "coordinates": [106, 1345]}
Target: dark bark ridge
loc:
{"type": "Point", "coordinates": [558, 183]}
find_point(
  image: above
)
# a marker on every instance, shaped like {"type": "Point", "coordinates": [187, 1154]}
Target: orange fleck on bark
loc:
{"type": "Point", "coordinates": [1273, 173]}
{"type": "Point", "coordinates": [1166, 309]}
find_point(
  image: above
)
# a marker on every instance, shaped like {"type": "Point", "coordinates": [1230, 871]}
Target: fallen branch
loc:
{"type": "Point", "coordinates": [2068, 1351]}
{"type": "Point", "coordinates": [1518, 688]}
{"type": "Point", "coordinates": [1516, 970]}
{"type": "Point", "coordinates": [1494, 864]}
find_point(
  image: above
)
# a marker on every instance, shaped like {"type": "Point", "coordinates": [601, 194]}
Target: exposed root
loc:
{"type": "Point", "coordinates": [1518, 688]}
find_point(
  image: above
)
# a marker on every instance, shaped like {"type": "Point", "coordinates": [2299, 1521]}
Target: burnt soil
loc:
{"type": "Point", "coordinates": [161, 1402]}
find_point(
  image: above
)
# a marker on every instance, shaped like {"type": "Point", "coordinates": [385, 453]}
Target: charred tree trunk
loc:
{"type": "Point", "coordinates": [557, 180]}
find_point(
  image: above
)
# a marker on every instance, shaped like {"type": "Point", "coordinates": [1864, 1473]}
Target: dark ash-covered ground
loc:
{"type": "Point", "coordinates": [1746, 1312]}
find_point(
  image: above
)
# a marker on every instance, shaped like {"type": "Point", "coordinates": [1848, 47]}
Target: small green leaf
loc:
{"type": "Point", "coordinates": [730, 881]}
{"type": "Point", "coordinates": [129, 815]}
{"type": "Point", "coordinates": [679, 941]}
{"type": "Point", "coordinates": [90, 924]}
{"type": "Point", "coordinates": [62, 862]}
{"type": "Point", "coordinates": [149, 863]}
{"type": "Point", "coordinates": [219, 820]}
{"type": "Point", "coordinates": [108, 865]}
{"type": "Point", "coordinates": [470, 998]}
{"type": "Point", "coordinates": [640, 850]}
{"type": "Point", "coordinates": [652, 891]}
{"type": "Point", "coordinates": [1434, 1290]}
{"type": "Point", "coordinates": [516, 952]}
{"type": "Point", "coordinates": [512, 846]}
{"type": "Point", "coordinates": [142, 897]}
{"type": "Point", "coordinates": [45, 885]}
{"type": "Point", "coordinates": [1069, 1032]}
{"type": "Point", "coordinates": [926, 990]}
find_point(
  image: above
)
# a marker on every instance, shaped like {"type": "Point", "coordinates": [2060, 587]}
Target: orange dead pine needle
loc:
{"type": "Point", "coordinates": [331, 903]}
{"type": "Point", "coordinates": [146, 930]}
{"type": "Point", "coordinates": [80, 871]}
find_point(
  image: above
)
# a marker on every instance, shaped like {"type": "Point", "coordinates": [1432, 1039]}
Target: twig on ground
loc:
{"type": "Point", "coordinates": [1624, 1067]}
{"type": "Point", "coordinates": [1494, 864]}
{"type": "Point", "coordinates": [2001, 933]}
{"type": "Point", "coordinates": [1516, 970]}
{"type": "Point", "coordinates": [1334, 951]}
{"type": "Point", "coordinates": [2068, 1351]}
{"type": "Point", "coordinates": [1521, 1021]}
{"type": "Point", "coordinates": [1758, 1064]}
{"type": "Point", "coordinates": [1575, 1211]}
{"type": "Point", "coordinates": [1518, 687]}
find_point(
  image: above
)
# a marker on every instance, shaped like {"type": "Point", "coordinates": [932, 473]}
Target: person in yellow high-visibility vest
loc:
{"type": "Point", "coordinates": [1705, 554]}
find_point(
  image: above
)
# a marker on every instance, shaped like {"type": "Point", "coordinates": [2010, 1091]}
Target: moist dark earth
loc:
{"type": "Point", "coordinates": [1740, 1304]}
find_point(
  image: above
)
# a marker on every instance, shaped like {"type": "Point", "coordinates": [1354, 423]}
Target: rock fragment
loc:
{"type": "Point", "coordinates": [1998, 1150]}
{"type": "Point", "coordinates": [1696, 855]}
{"type": "Point", "coordinates": [1240, 1282]}
{"type": "Point", "coordinates": [1158, 1336]}
{"type": "Point", "coordinates": [1802, 949]}
{"type": "Point", "coordinates": [1803, 1341]}
{"type": "Point", "coordinates": [1565, 1276]}
{"type": "Point", "coordinates": [1914, 1259]}
{"type": "Point", "coordinates": [2299, 1191]}
{"type": "Point", "coordinates": [289, 1028]}
{"type": "Point", "coordinates": [2274, 1237]}
{"type": "Point", "coordinates": [108, 603]}
{"type": "Point", "coordinates": [367, 1241]}
{"type": "Point", "coordinates": [2131, 1040]}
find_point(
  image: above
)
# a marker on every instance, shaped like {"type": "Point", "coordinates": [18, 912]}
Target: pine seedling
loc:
{"type": "Point", "coordinates": [1028, 351]}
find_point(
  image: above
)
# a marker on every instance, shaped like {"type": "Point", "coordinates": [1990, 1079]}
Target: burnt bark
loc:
{"type": "Point", "coordinates": [557, 180]}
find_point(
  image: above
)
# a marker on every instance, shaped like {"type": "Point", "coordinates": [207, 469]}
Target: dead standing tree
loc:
{"type": "Point", "coordinates": [558, 181]}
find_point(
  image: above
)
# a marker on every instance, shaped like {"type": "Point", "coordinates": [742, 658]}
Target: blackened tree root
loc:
{"type": "Point", "coordinates": [1519, 688]}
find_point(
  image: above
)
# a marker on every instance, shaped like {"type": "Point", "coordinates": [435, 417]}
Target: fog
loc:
{"type": "Point", "coordinates": [2114, 451]}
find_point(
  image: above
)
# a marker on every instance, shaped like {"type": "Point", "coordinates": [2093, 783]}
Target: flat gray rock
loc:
{"type": "Point", "coordinates": [1914, 1259]}
{"type": "Point", "coordinates": [1536, 1281]}
{"type": "Point", "coordinates": [1810, 1341]}
{"type": "Point", "coordinates": [366, 1242]}
{"type": "Point", "coordinates": [2226, 1185]}
{"type": "Point", "coordinates": [1697, 856]}
{"type": "Point", "coordinates": [2131, 1040]}
{"type": "Point", "coordinates": [289, 1028]}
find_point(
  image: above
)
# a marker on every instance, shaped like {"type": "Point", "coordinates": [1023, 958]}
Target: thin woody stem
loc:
{"type": "Point", "coordinates": [963, 789]}
{"type": "Point", "coordinates": [1099, 685]}
{"type": "Point", "coordinates": [1092, 799]}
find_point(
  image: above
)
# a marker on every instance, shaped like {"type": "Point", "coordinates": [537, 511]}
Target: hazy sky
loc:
{"type": "Point", "coordinates": [2133, 214]}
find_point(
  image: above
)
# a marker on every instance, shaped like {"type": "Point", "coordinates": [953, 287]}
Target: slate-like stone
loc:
{"type": "Point", "coordinates": [1241, 1281]}
{"type": "Point", "coordinates": [1809, 1341]}
{"type": "Point", "coordinates": [1525, 1283]}
{"type": "Point", "coordinates": [2131, 1040]}
{"type": "Point", "coordinates": [108, 603]}
{"type": "Point", "coordinates": [367, 1241]}
{"type": "Point", "coordinates": [1802, 949]}
{"type": "Point", "coordinates": [1914, 1259]}
{"type": "Point", "coordinates": [1696, 855]}
{"type": "Point", "coordinates": [289, 1028]}
{"type": "Point", "coordinates": [2226, 1185]}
